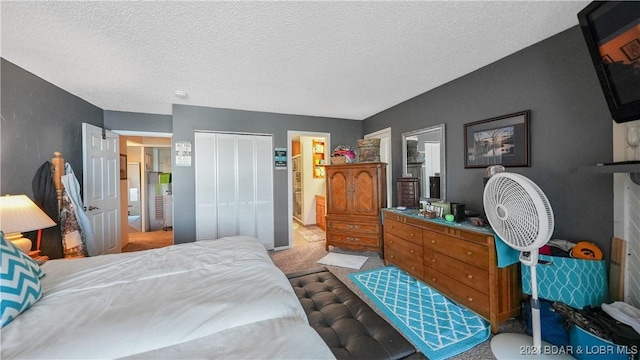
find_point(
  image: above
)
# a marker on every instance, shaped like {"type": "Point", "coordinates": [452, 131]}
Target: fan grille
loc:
{"type": "Point", "coordinates": [518, 211]}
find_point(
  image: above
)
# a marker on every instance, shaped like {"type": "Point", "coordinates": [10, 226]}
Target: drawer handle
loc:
{"type": "Point", "coordinates": [433, 241]}
{"type": "Point", "coordinates": [469, 276]}
{"type": "Point", "coordinates": [390, 226]}
{"type": "Point", "coordinates": [412, 251]}
{"type": "Point", "coordinates": [411, 234]}
{"type": "Point", "coordinates": [352, 238]}
{"type": "Point", "coordinates": [469, 253]}
{"type": "Point", "coordinates": [392, 256]}
{"type": "Point", "coordinates": [433, 260]}
{"type": "Point", "coordinates": [470, 298]}
{"type": "Point", "coordinates": [413, 268]}
{"type": "Point", "coordinates": [434, 279]}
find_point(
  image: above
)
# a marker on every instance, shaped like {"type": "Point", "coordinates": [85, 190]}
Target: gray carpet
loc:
{"type": "Point", "coordinates": [305, 256]}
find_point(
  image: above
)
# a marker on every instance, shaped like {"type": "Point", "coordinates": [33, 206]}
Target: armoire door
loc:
{"type": "Point", "coordinates": [365, 191]}
{"type": "Point", "coordinates": [234, 186]}
{"type": "Point", "coordinates": [338, 186]}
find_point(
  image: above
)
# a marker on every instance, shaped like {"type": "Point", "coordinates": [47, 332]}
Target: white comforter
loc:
{"type": "Point", "coordinates": [209, 299]}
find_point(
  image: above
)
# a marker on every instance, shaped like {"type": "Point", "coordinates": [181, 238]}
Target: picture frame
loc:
{"type": "Point", "coordinates": [631, 49]}
{"type": "Point", "coordinates": [123, 167]}
{"type": "Point", "coordinates": [502, 140]}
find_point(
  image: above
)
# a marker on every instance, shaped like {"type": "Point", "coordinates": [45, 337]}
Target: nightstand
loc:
{"type": "Point", "coordinates": [35, 255]}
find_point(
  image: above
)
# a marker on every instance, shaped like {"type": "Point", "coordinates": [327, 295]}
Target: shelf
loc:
{"type": "Point", "coordinates": [610, 169]}
{"type": "Point", "coordinates": [632, 169]}
{"type": "Point", "coordinates": [318, 159]}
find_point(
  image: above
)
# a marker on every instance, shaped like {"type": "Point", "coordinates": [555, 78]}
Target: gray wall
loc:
{"type": "Point", "coordinates": [38, 118]}
{"type": "Point", "coordinates": [121, 120]}
{"type": "Point", "coordinates": [570, 126]}
{"type": "Point", "coordinates": [187, 119]}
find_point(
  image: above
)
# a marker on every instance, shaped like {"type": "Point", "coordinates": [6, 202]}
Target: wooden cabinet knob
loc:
{"type": "Point", "coordinates": [390, 241]}
{"type": "Point", "coordinates": [433, 241]}
{"type": "Point", "coordinates": [469, 276]}
{"type": "Point", "coordinates": [469, 253]}
{"type": "Point", "coordinates": [434, 279]}
{"type": "Point", "coordinates": [470, 298]}
{"type": "Point", "coordinates": [393, 257]}
{"type": "Point", "coordinates": [413, 268]}
{"type": "Point", "coordinates": [433, 260]}
{"type": "Point", "coordinates": [411, 234]}
{"type": "Point", "coordinates": [412, 251]}
{"type": "Point", "coordinates": [390, 226]}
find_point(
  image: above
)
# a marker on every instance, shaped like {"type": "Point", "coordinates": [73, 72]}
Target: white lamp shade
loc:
{"type": "Point", "coordinates": [19, 214]}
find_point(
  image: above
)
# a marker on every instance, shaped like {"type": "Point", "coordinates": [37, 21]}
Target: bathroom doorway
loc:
{"type": "Point", "coordinates": [309, 153]}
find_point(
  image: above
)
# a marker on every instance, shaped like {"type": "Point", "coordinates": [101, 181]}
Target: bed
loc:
{"type": "Point", "coordinates": [219, 298]}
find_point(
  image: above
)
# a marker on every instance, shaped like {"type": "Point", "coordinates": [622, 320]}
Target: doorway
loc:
{"type": "Point", "coordinates": [386, 157]}
{"type": "Point", "coordinates": [149, 205]}
{"type": "Point", "coordinates": [309, 152]}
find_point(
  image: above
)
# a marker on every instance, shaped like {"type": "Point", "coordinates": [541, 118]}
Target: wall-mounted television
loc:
{"type": "Point", "coordinates": [612, 32]}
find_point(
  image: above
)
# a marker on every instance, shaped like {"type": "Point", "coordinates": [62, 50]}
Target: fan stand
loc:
{"type": "Point", "coordinates": [521, 346]}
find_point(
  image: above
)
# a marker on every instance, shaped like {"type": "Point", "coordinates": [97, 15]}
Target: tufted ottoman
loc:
{"type": "Point", "coordinates": [345, 322]}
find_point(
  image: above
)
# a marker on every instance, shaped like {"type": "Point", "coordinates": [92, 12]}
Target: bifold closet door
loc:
{"type": "Point", "coordinates": [234, 186]}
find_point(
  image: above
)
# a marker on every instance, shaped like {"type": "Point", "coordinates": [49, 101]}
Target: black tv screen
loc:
{"type": "Point", "coordinates": [612, 32]}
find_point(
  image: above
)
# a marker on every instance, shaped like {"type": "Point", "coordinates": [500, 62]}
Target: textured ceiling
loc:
{"type": "Point", "coordinates": [336, 59]}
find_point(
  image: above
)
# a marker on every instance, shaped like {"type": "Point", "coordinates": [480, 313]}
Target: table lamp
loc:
{"type": "Point", "coordinates": [19, 214]}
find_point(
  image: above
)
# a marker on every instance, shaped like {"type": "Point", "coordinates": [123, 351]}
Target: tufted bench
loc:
{"type": "Point", "coordinates": [345, 322]}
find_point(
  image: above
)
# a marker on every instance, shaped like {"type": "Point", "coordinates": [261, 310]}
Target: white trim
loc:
{"type": "Point", "coordinates": [143, 133]}
{"type": "Point", "coordinates": [386, 133]}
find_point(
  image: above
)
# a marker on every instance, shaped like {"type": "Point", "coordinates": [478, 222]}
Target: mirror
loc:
{"type": "Point", "coordinates": [423, 157]}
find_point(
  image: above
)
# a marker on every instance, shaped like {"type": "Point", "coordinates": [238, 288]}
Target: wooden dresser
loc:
{"type": "Point", "coordinates": [408, 192]}
{"type": "Point", "coordinates": [355, 195]}
{"type": "Point", "coordinates": [459, 263]}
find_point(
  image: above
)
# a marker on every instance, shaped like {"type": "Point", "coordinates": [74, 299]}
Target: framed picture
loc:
{"type": "Point", "coordinates": [123, 167]}
{"type": "Point", "coordinates": [503, 140]}
{"type": "Point", "coordinates": [632, 49]}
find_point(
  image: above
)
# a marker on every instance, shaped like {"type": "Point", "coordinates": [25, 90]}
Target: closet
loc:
{"type": "Point", "coordinates": [234, 186]}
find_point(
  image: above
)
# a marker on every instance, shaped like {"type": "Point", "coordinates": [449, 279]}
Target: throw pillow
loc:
{"type": "Point", "coordinates": [20, 286]}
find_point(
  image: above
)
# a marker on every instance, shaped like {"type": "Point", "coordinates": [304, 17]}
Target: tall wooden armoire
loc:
{"type": "Point", "coordinates": [355, 195]}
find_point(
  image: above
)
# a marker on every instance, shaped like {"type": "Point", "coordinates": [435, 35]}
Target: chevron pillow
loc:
{"type": "Point", "coordinates": [20, 286]}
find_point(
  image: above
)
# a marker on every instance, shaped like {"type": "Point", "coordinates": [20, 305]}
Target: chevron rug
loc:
{"type": "Point", "coordinates": [436, 325]}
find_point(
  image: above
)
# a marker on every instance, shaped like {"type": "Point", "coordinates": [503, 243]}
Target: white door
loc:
{"type": "Point", "coordinates": [101, 186]}
{"type": "Point", "coordinates": [385, 156]}
{"type": "Point", "coordinates": [234, 186]}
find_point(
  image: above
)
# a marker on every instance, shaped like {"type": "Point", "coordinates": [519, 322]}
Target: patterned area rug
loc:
{"type": "Point", "coordinates": [436, 325]}
{"type": "Point", "coordinates": [312, 235]}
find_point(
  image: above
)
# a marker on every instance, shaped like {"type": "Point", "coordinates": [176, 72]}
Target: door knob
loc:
{"type": "Point", "coordinates": [91, 207]}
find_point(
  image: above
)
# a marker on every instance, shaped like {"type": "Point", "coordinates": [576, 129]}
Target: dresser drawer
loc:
{"type": "Point", "coordinates": [369, 228]}
{"type": "Point", "coordinates": [465, 295]}
{"type": "Point", "coordinates": [410, 264]}
{"type": "Point", "coordinates": [467, 274]}
{"type": "Point", "coordinates": [404, 231]}
{"type": "Point", "coordinates": [403, 246]}
{"type": "Point", "coordinates": [465, 251]}
{"type": "Point", "coordinates": [352, 239]}
{"type": "Point", "coordinates": [404, 254]}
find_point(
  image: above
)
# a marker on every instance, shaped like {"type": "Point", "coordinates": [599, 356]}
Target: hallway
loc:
{"type": "Point", "coordinates": [148, 240]}
{"type": "Point", "coordinates": [305, 235]}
